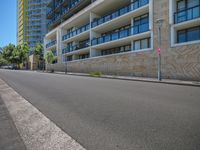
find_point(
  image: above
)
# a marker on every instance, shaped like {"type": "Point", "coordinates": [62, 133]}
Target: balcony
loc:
{"type": "Point", "coordinates": [79, 46]}
{"type": "Point", "coordinates": [52, 43]}
{"type": "Point", "coordinates": [55, 53]}
{"type": "Point", "coordinates": [121, 34]}
{"type": "Point", "coordinates": [76, 32]}
{"type": "Point", "coordinates": [133, 6]}
{"type": "Point", "coordinates": [74, 4]}
{"type": "Point", "coordinates": [187, 14]}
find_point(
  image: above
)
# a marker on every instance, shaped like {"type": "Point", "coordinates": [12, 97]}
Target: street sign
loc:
{"type": "Point", "coordinates": [158, 51]}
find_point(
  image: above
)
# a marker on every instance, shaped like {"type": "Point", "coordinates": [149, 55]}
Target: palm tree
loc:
{"type": "Point", "coordinates": [49, 58]}
{"type": "Point", "coordinates": [39, 51]}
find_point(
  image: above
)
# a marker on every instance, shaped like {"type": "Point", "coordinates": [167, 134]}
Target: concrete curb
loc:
{"type": "Point", "coordinates": [151, 80]}
{"type": "Point", "coordinates": [36, 130]}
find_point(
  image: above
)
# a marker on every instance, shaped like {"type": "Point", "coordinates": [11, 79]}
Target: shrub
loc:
{"type": "Point", "coordinates": [96, 74]}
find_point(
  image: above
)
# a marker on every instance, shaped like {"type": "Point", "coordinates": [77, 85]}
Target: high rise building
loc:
{"type": "Point", "coordinates": [21, 21]}
{"type": "Point", "coordinates": [121, 37]}
{"type": "Point", "coordinates": [32, 22]}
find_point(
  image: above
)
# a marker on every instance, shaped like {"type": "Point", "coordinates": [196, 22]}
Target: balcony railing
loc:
{"type": "Point", "coordinates": [133, 6]}
{"type": "Point", "coordinates": [51, 44]}
{"type": "Point", "coordinates": [187, 14]}
{"type": "Point", "coordinates": [75, 47]}
{"type": "Point", "coordinates": [64, 11]}
{"type": "Point", "coordinates": [121, 34]}
{"type": "Point", "coordinates": [76, 32]}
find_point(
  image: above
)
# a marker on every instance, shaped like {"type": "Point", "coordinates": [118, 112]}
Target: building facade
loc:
{"type": "Point", "coordinates": [121, 38]}
{"type": "Point", "coordinates": [32, 21]}
{"type": "Point", "coordinates": [21, 21]}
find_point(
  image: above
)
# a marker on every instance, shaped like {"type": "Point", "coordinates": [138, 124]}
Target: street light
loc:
{"type": "Point", "coordinates": [159, 23]}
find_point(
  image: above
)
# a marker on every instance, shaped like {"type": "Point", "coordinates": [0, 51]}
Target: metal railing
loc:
{"type": "Point", "coordinates": [187, 14]}
{"type": "Point", "coordinates": [51, 44]}
{"type": "Point", "coordinates": [76, 32]}
{"type": "Point", "coordinates": [75, 47]}
{"type": "Point", "coordinates": [121, 34]}
{"type": "Point", "coordinates": [133, 6]}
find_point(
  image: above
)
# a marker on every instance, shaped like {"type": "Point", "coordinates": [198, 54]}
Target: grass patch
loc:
{"type": "Point", "coordinates": [96, 74]}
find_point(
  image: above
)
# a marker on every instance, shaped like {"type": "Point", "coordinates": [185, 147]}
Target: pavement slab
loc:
{"type": "Point", "coordinates": [9, 136]}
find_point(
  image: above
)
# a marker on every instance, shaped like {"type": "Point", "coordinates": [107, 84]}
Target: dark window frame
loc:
{"type": "Point", "coordinates": [186, 34]}
{"type": "Point", "coordinates": [140, 40]}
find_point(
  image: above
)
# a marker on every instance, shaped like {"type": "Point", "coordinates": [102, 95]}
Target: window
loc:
{"type": "Point", "coordinates": [181, 5]}
{"type": "Point", "coordinates": [136, 45]}
{"type": "Point", "coordinates": [181, 36]}
{"type": "Point", "coordinates": [193, 34]}
{"type": "Point", "coordinates": [192, 3]}
{"type": "Point", "coordinates": [141, 20]}
{"type": "Point", "coordinates": [141, 23]}
{"type": "Point", "coordinates": [186, 35]}
{"type": "Point", "coordinates": [116, 50]}
{"type": "Point", "coordinates": [142, 44]}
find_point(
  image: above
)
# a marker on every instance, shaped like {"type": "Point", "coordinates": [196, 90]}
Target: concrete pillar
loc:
{"type": "Point", "coordinates": [58, 45]}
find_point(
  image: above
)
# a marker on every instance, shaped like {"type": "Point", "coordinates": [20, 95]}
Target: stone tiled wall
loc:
{"type": "Point", "coordinates": [181, 62]}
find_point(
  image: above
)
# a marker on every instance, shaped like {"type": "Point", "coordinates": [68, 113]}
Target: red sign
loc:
{"type": "Point", "coordinates": [158, 50]}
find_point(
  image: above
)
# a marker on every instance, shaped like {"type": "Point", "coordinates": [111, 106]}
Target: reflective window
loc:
{"type": "Point", "coordinates": [142, 44]}
{"type": "Point", "coordinates": [186, 35]}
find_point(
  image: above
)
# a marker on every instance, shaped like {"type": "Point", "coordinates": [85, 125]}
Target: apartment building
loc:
{"type": "Point", "coordinates": [120, 37]}
{"type": "Point", "coordinates": [32, 21]}
{"type": "Point", "coordinates": [21, 20]}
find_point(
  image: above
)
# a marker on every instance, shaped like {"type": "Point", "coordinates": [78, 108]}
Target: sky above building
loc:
{"type": "Point", "coordinates": [8, 22]}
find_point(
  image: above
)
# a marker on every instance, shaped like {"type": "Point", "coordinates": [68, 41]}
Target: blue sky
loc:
{"type": "Point", "coordinates": [8, 22]}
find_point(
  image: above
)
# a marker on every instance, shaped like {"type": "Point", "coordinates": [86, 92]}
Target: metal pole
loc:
{"type": "Point", "coordinates": [159, 55]}
{"type": "Point", "coordinates": [65, 66]}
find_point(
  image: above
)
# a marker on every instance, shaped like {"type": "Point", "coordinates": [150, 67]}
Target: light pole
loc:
{"type": "Point", "coordinates": [159, 23]}
{"type": "Point", "coordinates": [65, 65]}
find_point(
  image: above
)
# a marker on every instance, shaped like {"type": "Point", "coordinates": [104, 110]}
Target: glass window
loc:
{"type": "Point", "coordinates": [193, 34]}
{"type": "Point", "coordinates": [144, 43]}
{"type": "Point", "coordinates": [186, 35]}
{"type": "Point", "coordinates": [181, 5]}
{"type": "Point", "coordinates": [137, 45]}
{"type": "Point", "coordinates": [181, 36]}
{"type": "Point", "coordinates": [127, 48]}
{"type": "Point", "coordinates": [192, 3]}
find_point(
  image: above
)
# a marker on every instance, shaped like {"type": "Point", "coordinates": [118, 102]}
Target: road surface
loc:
{"type": "Point", "coordinates": [106, 114]}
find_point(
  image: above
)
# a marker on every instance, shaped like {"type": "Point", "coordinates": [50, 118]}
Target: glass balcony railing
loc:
{"type": "Point", "coordinates": [76, 32]}
{"type": "Point", "coordinates": [121, 34]}
{"type": "Point", "coordinates": [73, 4]}
{"type": "Point", "coordinates": [133, 6]}
{"type": "Point", "coordinates": [52, 43]}
{"type": "Point", "coordinates": [187, 14]}
{"type": "Point", "coordinates": [75, 47]}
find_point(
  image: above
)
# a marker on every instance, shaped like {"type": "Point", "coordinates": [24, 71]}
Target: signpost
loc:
{"type": "Point", "coordinates": [159, 25]}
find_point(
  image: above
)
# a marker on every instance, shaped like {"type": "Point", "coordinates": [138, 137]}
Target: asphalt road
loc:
{"type": "Point", "coordinates": [105, 114]}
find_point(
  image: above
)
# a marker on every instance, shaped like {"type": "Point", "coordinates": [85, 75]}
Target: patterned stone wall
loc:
{"type": "Point", "coordinates": [181, 62]}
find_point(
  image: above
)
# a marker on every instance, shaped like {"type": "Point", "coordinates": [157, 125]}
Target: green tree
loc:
{"type": "Point", "coordinates": [24, 52]}
{"type": "Point", "coordinates": [20, 54]}
{"type": "Point", "coordinates": [49, 57]}
{"type": "Point", "coordinates": [7, 53]}
{"type": "Point", "coordinates": [3, 61]}
{"type": "Point", "coordinates": [39, 51]}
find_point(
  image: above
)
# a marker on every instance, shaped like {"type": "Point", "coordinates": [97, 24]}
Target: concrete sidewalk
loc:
{"type": "Point", "coordinates": [9, 136]}
{"type": "Point", "coordinates": [142, 79]}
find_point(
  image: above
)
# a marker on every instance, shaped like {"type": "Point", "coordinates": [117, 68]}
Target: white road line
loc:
{"type": "Point", "coordinates": [36, 130]}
